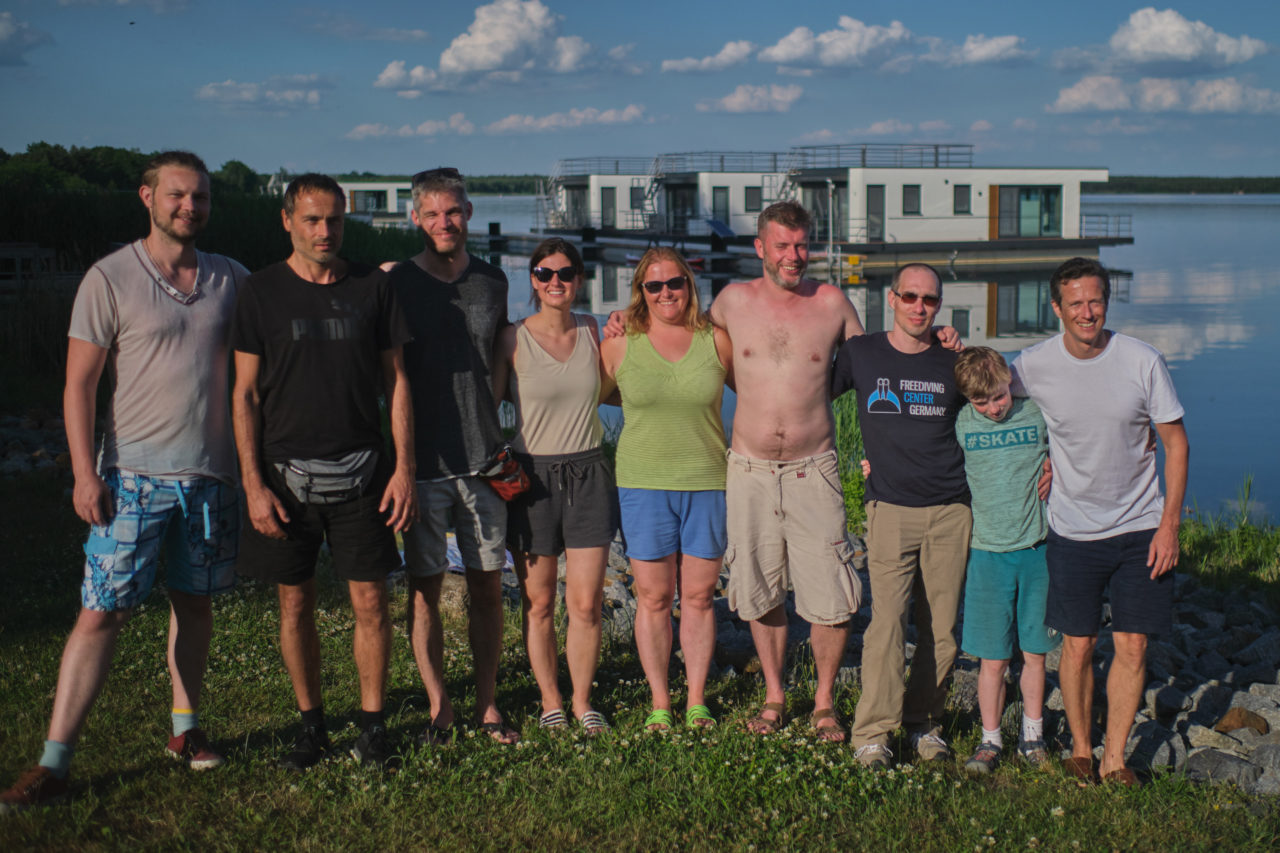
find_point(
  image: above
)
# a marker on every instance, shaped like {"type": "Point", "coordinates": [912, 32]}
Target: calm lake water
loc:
{"type": "Point", "coordinates": [1204, 291]}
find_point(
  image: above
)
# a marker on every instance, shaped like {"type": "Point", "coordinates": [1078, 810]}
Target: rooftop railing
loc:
{"type": "Point", "coordinates": [883, 155]}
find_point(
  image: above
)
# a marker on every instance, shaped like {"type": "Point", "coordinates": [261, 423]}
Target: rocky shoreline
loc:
{"type": "Point", "coordinates": [1212, 700]}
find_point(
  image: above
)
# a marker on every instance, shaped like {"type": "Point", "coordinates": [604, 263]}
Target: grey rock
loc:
{"type": "Point", "coordinates": [1256, 673]}
{"type": "Point", "coordinates": [1165, 700]}
{"type": "Point", "coordinates": [1212, 664]}
{"type": "Point", "coordinates": [734, 648]}
{"type": "Point", "coordinates": [1266, 785]}
{"type": "Point", "coordinates": [964, 690]}
{"type": "Point", "coordinates": [1053, 701]}
{"type": "Point", "coordinates": [1152, 745]}
{"type": "Point", "coordinates": [849, 675]}
{"type": "Point", "coordinates": [1215, 768]}
{"type": "Point", "coordinates": [1266, 691]}
{"type": "Point", "coordinates": [1264, 708]}
{"type": "Point", "coordinates": [1267, 756]}
{"type": "Point", "coordinates": [1201, 617]}
{"type": "Point", "coordinates": [1264, 650]}
{"type": "Point", "coordinates": [1203, 736]}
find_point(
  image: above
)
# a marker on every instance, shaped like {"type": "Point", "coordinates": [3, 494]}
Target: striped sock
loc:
{"type": "Point", "coordinates": [57, 758]}
{"type": "Point", "coordinates": [184, 720]}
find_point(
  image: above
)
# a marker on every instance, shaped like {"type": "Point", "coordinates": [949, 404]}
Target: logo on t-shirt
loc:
{"type": "Point", "coordinates": [1002, 438]}
{"type": "Point", "coordinates": [883, 400]}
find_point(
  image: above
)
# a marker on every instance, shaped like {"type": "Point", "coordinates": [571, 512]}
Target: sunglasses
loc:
{"type": "Point", "coordinates": [672, 284]}
{"type": "Point", "coordinates": [545, 274]}
{"type": "Point", "coordinates": [910, 298]}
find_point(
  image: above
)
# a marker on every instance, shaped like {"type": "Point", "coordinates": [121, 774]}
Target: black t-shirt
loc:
{"type": "Point", "coordinates": [453, 326]}
{"type": "Point", "coordinates": [907, 407]}
{"type": "Point", "coordinates": [320, 346]}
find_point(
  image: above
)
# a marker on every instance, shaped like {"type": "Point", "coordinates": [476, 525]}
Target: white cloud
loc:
{"type": "Point", "coordinates": [570, 51]}
{"type": "Point", "coordinates": [1229, 95]}
{"type": "Point", "coordinates": [1157, 94]}
{"type": "Point", "coordinates": [1154, 37]}
{"type": "Point", "coordinates": [18, 37]}
{"type": "Point", "coordinates": [1024, 124]}
{"type": "Point", "coordinates": [853, 43]}
{"type": "Point", "coordinates": [980, 126]}
{"type": "Point", "coordinates": [1098, 92]}
{"type": "Point", "coordinates": [1117, 125]}
{"type": "Point", "coordinates": [819, 137]}
{"type": "Point", "coordinates": [936, 125]}
{"type": "Point", "coordinates": [154, 5]}
{"type": "Point", "coordinates": [516, 123]}
{"type": "Point", "coordinates": [888, 127]}
{"type": "Point", "coordinates": [353, 29]}
{"type": "Point", "coordinates": [733, 53]}
{"type": "Point", "coordinates": [505, 35]}
{"type": "Point", "coordinates": [394, 76]}
{"type": "Point", "coordinates": [409, 94]}
{"type": "Point", "coordinates": [284, 92]}
{"type": "Point", "coordinates": [456, 124]}
{"type": "Point", "coordinates": [754, 99]}
{"type": "Point", "coordinates": [977, 50]}
{"type": "Point", "coordinates": [620, 55]}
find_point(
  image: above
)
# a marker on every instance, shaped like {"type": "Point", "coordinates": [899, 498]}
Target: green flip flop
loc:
{"type": "Point", "coordinates": [659, 720]}
{"type": "Point", "coordinates": [699, 716]}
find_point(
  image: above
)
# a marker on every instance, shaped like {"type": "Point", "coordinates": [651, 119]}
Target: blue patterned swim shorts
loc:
{"type": "Point", "coordinates": [196, 521]}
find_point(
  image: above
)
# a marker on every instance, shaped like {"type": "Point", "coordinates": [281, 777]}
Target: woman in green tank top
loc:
{"type": "Point", "coordinates": [670, 369]}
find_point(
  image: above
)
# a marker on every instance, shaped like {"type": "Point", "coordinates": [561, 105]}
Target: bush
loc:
{"type": "Point", "coordinates": [849, 448]}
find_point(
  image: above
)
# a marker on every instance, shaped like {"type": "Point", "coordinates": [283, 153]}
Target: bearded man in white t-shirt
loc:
{"type": "Point", "coordinates": [1101, 392]}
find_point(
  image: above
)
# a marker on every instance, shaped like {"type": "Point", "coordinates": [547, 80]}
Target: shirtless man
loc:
{"type": "Point", "coordinates": [786, 518]}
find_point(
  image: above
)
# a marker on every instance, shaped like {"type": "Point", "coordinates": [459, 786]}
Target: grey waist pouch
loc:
{"type": "Point", "coordinates": [329, 481]}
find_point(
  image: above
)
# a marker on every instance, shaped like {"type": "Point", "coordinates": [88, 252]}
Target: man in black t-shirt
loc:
{"type": "Point", "coordinates": [918, 518]}
{"type": "Point", "coordinates": [454, 303]}
{"type": "Point", "coordinates": [316, 338]}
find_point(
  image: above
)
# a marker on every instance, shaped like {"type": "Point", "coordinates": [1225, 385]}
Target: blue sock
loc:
{"type": "Point", "coordinates": [57, 758]}
{"type": "Point", "coordinates": [184, 721]}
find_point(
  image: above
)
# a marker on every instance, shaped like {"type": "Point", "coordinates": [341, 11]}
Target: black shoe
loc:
{"type": "Point", "coordinates": [308, 749]}
{"type": "Point", "coordinates": [371, 747]}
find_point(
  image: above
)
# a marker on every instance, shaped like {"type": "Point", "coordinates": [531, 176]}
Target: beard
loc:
{"type": "Point", "coordinates": [183, 231]}
{"type": "Point", "coordinates": [774, 273]}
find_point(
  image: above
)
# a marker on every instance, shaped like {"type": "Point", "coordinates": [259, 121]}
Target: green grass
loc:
{"type": "Point", "coordinates": [629, 789]}
{"type": "Point", "coordinates": [849, 447]}
{"type": "Point", "coordinates": [1230, 548]}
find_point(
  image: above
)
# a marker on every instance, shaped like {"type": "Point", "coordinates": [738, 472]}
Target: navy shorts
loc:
{"type": "Point", "coordinates": [1082, 572]}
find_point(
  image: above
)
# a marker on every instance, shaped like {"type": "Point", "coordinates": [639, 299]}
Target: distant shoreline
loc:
{"type": "Point", "coordinates": [1132, 184]}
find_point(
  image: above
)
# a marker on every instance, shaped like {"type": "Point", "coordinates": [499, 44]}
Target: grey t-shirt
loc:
{"type": "Point", "coordinates": [1002, 462]}
{"type": "Point", "coordinates": [455, 418]}
{"type": "Point", "coordinates": [169, 414]}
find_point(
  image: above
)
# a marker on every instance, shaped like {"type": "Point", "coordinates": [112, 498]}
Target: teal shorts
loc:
{"type": "Point", "coordinates": [1004, 602]}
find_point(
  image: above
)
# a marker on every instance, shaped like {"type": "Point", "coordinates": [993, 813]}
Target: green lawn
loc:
{"type": "Point", "coordinates": [628, 789]}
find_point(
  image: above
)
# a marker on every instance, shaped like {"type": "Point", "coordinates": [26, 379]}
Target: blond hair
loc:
{"type": "Point", "coordinates": [980, 371]}
{"type": "Point", "coordinates": [638, 310]}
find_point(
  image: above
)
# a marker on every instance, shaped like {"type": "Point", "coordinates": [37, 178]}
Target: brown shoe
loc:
{"type": "Point", "coordinates": [1080, 769]}
{"type": "Point", "coordinates": [1124, 777]}
{"type": "Point", "coordinates": [37, 787]}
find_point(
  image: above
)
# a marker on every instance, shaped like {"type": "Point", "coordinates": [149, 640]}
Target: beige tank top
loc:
{"type": "Point", "coordinates": [556, 401]}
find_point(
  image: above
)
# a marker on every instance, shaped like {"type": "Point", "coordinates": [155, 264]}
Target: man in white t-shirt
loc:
{"type": "Point", "coordinates": [1100, 392]}
{"type": "Point", "coordinates": [155, 315]}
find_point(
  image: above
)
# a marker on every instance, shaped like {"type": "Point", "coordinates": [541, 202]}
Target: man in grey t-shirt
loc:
{"type": "Point", "coordinates": [454, 303]}
{"type": "Point", "coordinates": [158, 312]}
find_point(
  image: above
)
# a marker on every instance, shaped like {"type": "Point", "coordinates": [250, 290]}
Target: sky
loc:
{"type": "Point", "coordinates": [512, 86]}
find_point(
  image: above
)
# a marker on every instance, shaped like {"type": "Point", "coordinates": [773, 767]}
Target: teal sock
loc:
{"type": "Point", "coordinates": [57, 758]}
{"type": "Point", "coordinates": [184, 721]}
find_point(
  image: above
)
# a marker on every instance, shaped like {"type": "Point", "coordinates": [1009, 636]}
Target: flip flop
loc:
{"type": "Point", "coordinates": [659, 720]}
{"type": "Point", "coordinates": [434, 735]}
{"type": "Point", "coordinates": [831, 732]}
{"type": "Point", "coordinates": [554, 719]}
{"type": "Point", "coordinates": [593, 723]}
{"type": "Point", "coordinates": [501, 733]}
{"type": "Point", "coordinates": [762, 725]}
{"type": "Point", "coordinates": [699, 716]}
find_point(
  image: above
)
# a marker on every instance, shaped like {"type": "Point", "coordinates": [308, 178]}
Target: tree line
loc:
{"type": "Point", "coordinates": [1182, 185]}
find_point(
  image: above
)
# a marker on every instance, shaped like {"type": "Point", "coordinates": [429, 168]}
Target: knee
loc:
{"type": "Point", "coordinates": [697, 600]}
{"type": "Point", "coordinates": [1078, 650]}
{"type": "Point", "coordinates": [484, 589]}
{"type": "Point", "coordinates": [584, 609]}
{"type": "Point", "coordinates": [296, 606]}
{"type": "Point", "coordinates": [654, 600]}
{"type": "Point", "coordinates": [1131, 649]}
{"type": "Point", "coordinates": [540, 606]}
{"type": "Point", "coordinates": [101, 622]}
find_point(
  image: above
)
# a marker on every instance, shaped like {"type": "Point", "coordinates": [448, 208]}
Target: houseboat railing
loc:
{"type": "Point", "coordinates": [884, 155]}
{"type": "Point", "coordinates": [1106, 224]}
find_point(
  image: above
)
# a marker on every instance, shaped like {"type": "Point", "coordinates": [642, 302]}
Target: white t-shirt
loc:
{"type": "Point", "coordinates": [169, 414]}
{"type": "Point", "coordinates": [1098, 412]}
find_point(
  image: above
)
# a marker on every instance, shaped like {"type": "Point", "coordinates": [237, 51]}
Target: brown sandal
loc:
{"type": "Point", "coordinates": [762, 725]}
{"type": "Point", "coordinates": [831, 732]}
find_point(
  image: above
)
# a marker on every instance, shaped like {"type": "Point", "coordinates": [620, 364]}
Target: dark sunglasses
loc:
{"type": "Point", "coordinates": [910, 298]}
{"type": "Point", "coordinates": [544, 274]}
{"type": "Point", "coordinates": [672, 284]}
{"type": "Point", "coordinates": [442, 172]}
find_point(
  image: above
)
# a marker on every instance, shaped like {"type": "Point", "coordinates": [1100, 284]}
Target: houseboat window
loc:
{"type": "Point", "coordinates": [637, 198]}
{"type": "Point", "coordinates": [961, 204]}
{"type": "Point", "coordinates": [1030, 211]}
{"type": "Point", "coordinates": [910, 199]}
{"type": "Point", "coordinates": [960, 321]}
{"type": "Point", "coordinates": [404, 199]}
{"type": "Point", "coordinates": [368, 201]}
{"type": "Point", "coordinates": [752, 199]}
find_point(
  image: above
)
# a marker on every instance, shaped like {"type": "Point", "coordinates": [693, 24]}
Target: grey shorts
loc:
{"type": "Point", "coordinates": [478, 518]}
{"type": "Point", "coordinates": [572, 502]}
{"type": "Point", "coordinates": [787, 529]}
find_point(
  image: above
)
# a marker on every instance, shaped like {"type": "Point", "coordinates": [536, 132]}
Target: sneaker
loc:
{"type": "Point", "coordinates": [192, 748]}
{"type": "Point", "coordinates": [1034, 752]}
{"type": "Point", "coordinates": [308, 749]}
{"type": "Point", "coordinates": [930, 747]}
{"type": "Point", "coordinates": [371, 747]}
{"type": "Point", "coordinates": [984, 759]}
{"type": "Point", "coordinates": [873, 755]}
{"type": "Point", "coordinates": [37, 787]}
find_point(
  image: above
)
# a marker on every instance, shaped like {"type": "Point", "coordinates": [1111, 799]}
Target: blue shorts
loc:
{"type": "Point", "coordinates": [200, 545]}
{"type": "Point", "coordinates": [1004, 601]}
{"type": "Point", "coordinates": [1080, 573]}
{"type": "Point", "coordinates": [657, 523]}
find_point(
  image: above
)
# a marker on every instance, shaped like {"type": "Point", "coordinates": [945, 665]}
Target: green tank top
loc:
{"type": "Point", "coordinates": [672, 436]}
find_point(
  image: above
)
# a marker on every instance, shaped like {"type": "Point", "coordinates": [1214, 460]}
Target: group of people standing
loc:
{"type": "Point", "coordinates": [317, 339]}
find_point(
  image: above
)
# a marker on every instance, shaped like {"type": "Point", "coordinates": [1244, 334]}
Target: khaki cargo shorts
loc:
{"type": "Point", "coordinates": [787, 530]}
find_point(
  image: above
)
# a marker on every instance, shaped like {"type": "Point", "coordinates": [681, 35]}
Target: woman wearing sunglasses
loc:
{"type": "Point", "coordinates": [548, 365]}
{"type": "Point", "coordinates": [670, 368]}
